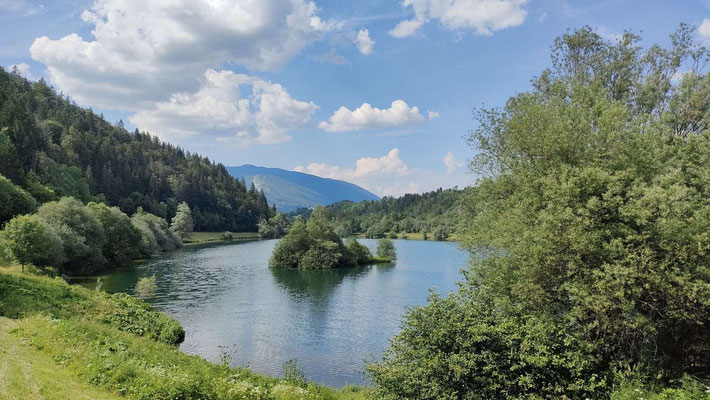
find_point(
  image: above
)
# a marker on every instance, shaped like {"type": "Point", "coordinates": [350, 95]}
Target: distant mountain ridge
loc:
{"type": "Point", "coordinates": [290, 190]}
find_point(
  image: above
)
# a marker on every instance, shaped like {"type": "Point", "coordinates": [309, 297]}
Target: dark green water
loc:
{"type": "Point", "coordinates": [331, 321]}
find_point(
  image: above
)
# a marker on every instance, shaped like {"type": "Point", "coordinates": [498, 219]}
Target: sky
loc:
{"type": "Point", "coordinates": [378, 93]}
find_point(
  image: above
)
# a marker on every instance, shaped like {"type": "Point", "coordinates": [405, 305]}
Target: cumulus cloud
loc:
{"type": "Point", "coordinates": [432, 115]}
{"type": "Point", "coordinates": [146, 51]}
{"type": "Point", "coordinates": [23, 69]}
{"type": "Point", "coordinates": [368, 117]}
{"type": "Point", "coordinates": [386, 176]}
{"type": "Point", "coordinates": [264, 116]}
{"type": "Point", "coordinates": [364, 42]}
{"type": "Point", "coordinates": [704, 30]}
{"type": "Point", "coordinates": [452, 164]}
{"type": "Point", "coordinates": [483, 17]}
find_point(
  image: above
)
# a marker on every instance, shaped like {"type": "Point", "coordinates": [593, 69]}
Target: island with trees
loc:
{"type": "Point", "coordinates": [313, 244]}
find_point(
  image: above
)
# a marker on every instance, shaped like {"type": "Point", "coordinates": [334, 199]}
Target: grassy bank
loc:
{"type": "Point", "coordinates": [204, 237]}
{"type": "Point", "coordinates": [102, 346]}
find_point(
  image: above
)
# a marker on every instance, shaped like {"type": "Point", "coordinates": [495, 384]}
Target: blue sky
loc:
{"type": "Point", "coordinates": [264, 82]}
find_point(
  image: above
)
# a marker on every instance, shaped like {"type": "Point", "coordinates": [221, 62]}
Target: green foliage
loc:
{"type": "Point", "coordinates": [123, 239]}
{"type": "Point", "coordinates": [82, 234]}
{"type": "Point", "coordinates": [14, 201]}
{"type": "Point", "coordinates": [51, 148]}
{"type": "Point", "coordinates": [23, 296]}
{"type": "Point", "coordinates": [293, 372]}
{"type": "Point", "coordinates": [439, 209]}
{"type": "Point", "coordinates": [358, 252]}
{"type": "Point", "coordinates": [118, 343]}
{"type": "Point", "coordinates": [275, 227]}
{"type": "Point", "coordinates": [146, 287]}
{"type": "Point", "coordinates": [386, 249]}
{"type": "Point", "coordinates": [315, 245]}
{"type": "Point", "coordinates": [594, 212]}
{"type": "Point", "coordinates": [687, 389]}
{"type": "Point", "coordinates": [181, 224]}
{"type": "Point", "coordinates": [156, 235]}
{"type": "Point", "coordinates": [28, 239]}
{"type": "Point", "coordinates": [227, 236]}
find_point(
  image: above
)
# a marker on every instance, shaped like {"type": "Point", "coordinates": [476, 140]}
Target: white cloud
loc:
{"type": "Point", "coordinates": [23, 69]}
{"type": "Point", "coordinates": [432, 115]}
{"type": "Point", "coordinates": [452, 164]}
{"type": "Point", "coordinates": [368, 117]}
{"type": "Point", "coordinates": [481, 16]}
{"type": "Point", "coordinates": [364, 42]}
{"type": "Point", "coordinates": [386, 176]}
{"type": "Point", "coordinates": [704, 30]}
{"type": "Point", "coordinates": [219, 108]}
{"type": "Point", "coordinates": [146, 51]}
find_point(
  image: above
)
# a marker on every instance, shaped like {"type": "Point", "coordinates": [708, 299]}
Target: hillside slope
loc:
{"type": "Point", "coordinates": [51, 148]}
{"type": "Point", "coordinates": [290, 190]}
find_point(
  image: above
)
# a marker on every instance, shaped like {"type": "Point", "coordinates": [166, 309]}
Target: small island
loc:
{"type": "Point", "coordinates": [313, 244]}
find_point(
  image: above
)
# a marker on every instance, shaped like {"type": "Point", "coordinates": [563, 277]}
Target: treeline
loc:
{"type": "Point", "coordinates": [436, 213]}
{"type": "Point", "coordinates": [52, 148]}
{"type": "Point", "coordinates": [594, 218]}
{"type": "Point", "coordinates": [68, 237]}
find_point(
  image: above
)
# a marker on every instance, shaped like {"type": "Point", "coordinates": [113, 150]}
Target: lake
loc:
{"type": "Point", "coordinates": [227, 298]}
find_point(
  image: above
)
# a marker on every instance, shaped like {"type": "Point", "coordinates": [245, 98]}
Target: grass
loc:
{"type": "Point", "coordinates": [88, 343]}
{"type": "Point", "coordinates": [26, 373]}
{"type": "Point", "coordinates": [23, 295]}
{"type": "Point", "coordinates": [203, 237]}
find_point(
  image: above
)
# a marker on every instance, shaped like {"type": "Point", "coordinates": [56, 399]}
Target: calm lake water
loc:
{"type": "Point", "coordinates": [330, 321]}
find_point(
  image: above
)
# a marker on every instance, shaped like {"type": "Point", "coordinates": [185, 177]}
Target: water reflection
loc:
{"type": "Point", "coordinates": [329, 320]}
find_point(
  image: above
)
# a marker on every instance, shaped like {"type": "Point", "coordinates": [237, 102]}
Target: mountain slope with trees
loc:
{"type": "Point", "coordinates": [436, 212]}
{"type": "Point", "coordinates": [51, 148]}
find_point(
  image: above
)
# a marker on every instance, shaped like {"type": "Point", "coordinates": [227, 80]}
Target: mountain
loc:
{"type": "Point", "coordinates": [291, 190]}
{"type": "Point", "coordinates": [52, 148]}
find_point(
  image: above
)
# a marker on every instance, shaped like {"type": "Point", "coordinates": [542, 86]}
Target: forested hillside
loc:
{"type": "Point", "coordinates": [52, 148]}
{"type": "Point", "coordinates": [435, 212]}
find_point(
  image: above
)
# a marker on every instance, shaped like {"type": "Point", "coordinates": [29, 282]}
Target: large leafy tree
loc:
{"type": "Point", "coordinates": [28, 239]}
{"type": "Point", "coordinates": [81, 231]}
{"type": "Point", "coordinates": [590, 231]}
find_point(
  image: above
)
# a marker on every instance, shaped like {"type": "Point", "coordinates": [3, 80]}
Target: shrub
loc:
{"type": "Point", "coordinates": [358, 253]}
{"type": "Point", "coordinates": [386, 249]}
{"type": "Point", "coordinates": [82, 234]}
{"type": "Point", "coordinates": [27, 239]}
{"type": "Point", "coordinates": [123, 238]}
{"type": "Point", "coordinates": [146, 287]}
{"type": "Point", "coordinates": [156, 235]}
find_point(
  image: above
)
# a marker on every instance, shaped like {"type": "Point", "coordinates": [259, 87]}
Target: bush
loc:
{"type": "Point", "coordinates": [227, 236]}
{"type": "Point", "coordinates": [82, 235]}
{"type": "Point", "coordinates": [156, 235]}
{"type": "Point", "coordinates": [123, 238]}
{"type": "Point", "coordinates": [27, 239]}
{"type": "Point", "coordinates": [146, 287]}
{"type": "Point", "coordinates": [358, 253]}
{"type": "Point", "coordinates": [386, 249]}
{"type": "Point", "coordinates": [22, 296]}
